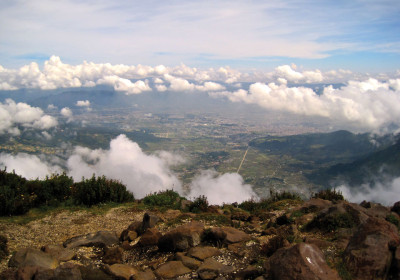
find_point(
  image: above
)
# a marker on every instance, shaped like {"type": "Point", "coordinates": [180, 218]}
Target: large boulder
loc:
{"type": "Point", "coordinates": [33, 257]}
{"type": "Point", "coordinates": [227, 235]}
{"type": "Point", "coordinates": [369, 252]}
{"type": "Point", "coordinates": [341, 215]}
{"type": "Point", "coordinates": [302, 262]}
{"type": "Point", "coordinates": [172, 269]}
{"type": "Point", "coordinates": [99, 239]}
{"type": "Point", "coordinates": [182, 237]}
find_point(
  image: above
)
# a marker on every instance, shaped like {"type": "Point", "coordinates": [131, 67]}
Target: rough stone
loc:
{"type": "Point", "coordinates": [33, 257]}
{"type": "Point", "coordinates": [172, 269]}
{"type": "Point", "coordinates": [203, 253]}
{"type": "Point", "coordinates": [302, 262]}
{"type": "Point", "coordinates": [112, 255]}
{"type": "Point", "coordinates": [149, 221]}
{"type": "Point", "coordinates": [396, 208]}
{"type": "Point", "coordinates": [228, 235]}
{"type": "Point", "coordinates": [315, 205]}
{"type": "Point", "coordinates": [27, 272]}
{"type": "Point", "coordinates": [67, 271]}
{"type": "Point", "coordinates": [144, 275]}
{"type": "Point", "coordinates": [150, 237]}
{"type": "Point", "coordinates": [211, 268]}
{"type": "Point", "coordinates": [91, 272]}
{"type": "Point", "coordinates": [188, 261]}
{"type": "Point", "coordinates": [60, 253]}
{"type": "Point", "coordinates": [182, 237]}
{"type": "Point", "coordinates": [369, 252]}
{"type": "Point", "coordinates": [99, 239]}
{"type": "Point", "coordinates": [122, 271]}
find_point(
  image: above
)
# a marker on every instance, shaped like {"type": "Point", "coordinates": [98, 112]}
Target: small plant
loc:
{"type": "Point", "coordinates": [168, 198]}
{"type": "Point", "coordinates": [332, 222]}
{"type": "Point", "coordinates": [393, 219]}
{"type": "Point", "coordinates": [328, 194]}
{"type": "Point", "coordinates": [200, 204]}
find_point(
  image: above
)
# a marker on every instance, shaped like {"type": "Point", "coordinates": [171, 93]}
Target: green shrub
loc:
{"type": "Point", "coordinates": [328, 194]}
{"type": "Point", "coordinates": [168, 198]}
{"type": "Point", "coordinates": [200, 204]}
{"type": "Point", "coordinates": [99, 190]}
{"type": "Point", "coordinates": [332, 222]}
{"type": "Point", "coordinates": [393, 219]}
{"type": "Point", "coordinates": [254, 206]}
{"type": "Point", "coordinates": [51, 191]}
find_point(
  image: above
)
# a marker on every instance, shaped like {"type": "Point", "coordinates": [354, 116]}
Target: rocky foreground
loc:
{"type": "Point", "coordinates": [316, 239]}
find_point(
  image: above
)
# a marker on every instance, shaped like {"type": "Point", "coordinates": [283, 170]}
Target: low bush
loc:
{"type": "Point", "coordinates": [328, 194]}
{"type": "Point", "coordinates": [99, 190]}
{"type": "Point", "coordinates": [200, 204]}
{"type": "Point", "coordinates": [168, 198]}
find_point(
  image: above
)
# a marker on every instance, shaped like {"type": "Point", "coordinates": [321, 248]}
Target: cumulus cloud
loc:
{"type": "Point", "coordinates": [83, 103]}
{"type": "Point", "coordinates": [370, 103]}
{"type": "Point", "coordinates": [386, 193]}
{"type": "Point", "coordinates": [67, 113]}
{"type": "Point", "coordinates": [14, 114]}
{"type": "Point", "coordinates": [28, 166]}
{"type": "Point", "coordinates": [125, 85]}
{"type": "Point", "coordinates": [125, 161]}
{"type": "Point", "coordinates": [219, 189]}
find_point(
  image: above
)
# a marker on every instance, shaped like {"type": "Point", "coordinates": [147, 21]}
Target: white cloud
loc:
{"type": "Point", "coordinates": [370, 103]}
{"type": "Point", "coordinates": [219, 189]}
{"type": "Point", "coordinates": [67, 113]}
{"type": "Point", "coordinates": [83, 103]}
{"type": "Point", "coordinates": [28, 166]}
{"type": "Point", "coordinates": [386, 193]}
{"type": "Point", "coordinates": [125, 85]}
{"type": "Point", "coordinates": [125, 161]}
{"type": "Point", "coordinates": [14, 114]}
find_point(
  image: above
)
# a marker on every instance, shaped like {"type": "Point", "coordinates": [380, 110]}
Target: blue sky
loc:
{"type": "Point", "coordinates": [360, 35]}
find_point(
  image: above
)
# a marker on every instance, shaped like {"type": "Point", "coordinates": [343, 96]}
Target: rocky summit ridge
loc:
{"type": "Point", "coordinates": [290, 239]}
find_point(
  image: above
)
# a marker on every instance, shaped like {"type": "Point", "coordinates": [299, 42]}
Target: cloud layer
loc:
{"type": "Point", "coordinates": [15, 115]}
{"type": "Point", "coordinates": [370, 102]}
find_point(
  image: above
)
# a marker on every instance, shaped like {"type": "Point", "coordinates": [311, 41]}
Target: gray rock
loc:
{"type": "Point", "coordinates": [98, 239]}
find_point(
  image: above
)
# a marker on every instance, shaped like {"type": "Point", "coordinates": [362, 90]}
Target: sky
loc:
{"type": "Point", "coordinates": [358, 35]}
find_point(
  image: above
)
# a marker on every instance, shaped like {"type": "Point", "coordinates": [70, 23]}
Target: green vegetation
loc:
{"type": "Point", "coordinates": [99, 190]}
{"type": "Point", "coordinates": [393, 219]}
{"type": "Point", "coordinates": [272, 202]}
{"type": "Point", "coordinates": [332, 222]}
{"type": "Point", "coordinates": [332, 195]}
{"type": "Point", "coordinates": [200, 204]}
{"type": "Point", "coordinates": [168, 198]}
{"type": "Point", "coordinates": [18, 195]}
